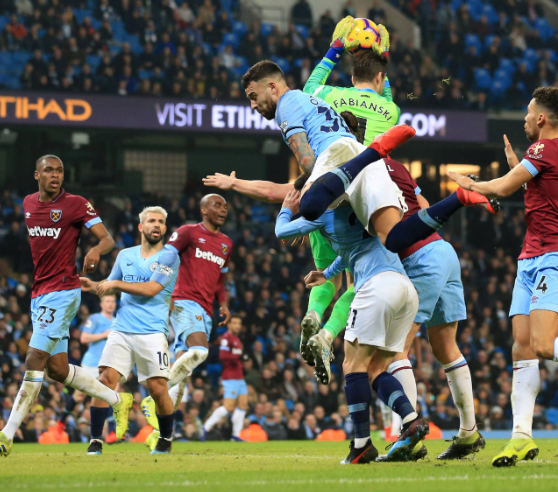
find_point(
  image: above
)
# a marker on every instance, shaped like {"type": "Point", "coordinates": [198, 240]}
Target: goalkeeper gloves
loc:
{"type": "Point", "coordinates": [339, 41]}
{"type": "Point", "coordinates": [382, 47]}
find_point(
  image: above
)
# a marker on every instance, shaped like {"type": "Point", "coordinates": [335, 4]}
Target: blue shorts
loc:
{"type": "Point", "coordinates": [52, 314]}
{"type": "Point", "coordinates": [536, 285]}
{"type": "Point", "coordinates": [436, 274]}
{"type": "Point", "coordinates": [188, 317]}
{"type": "Point", "coordinates": [234, 388]}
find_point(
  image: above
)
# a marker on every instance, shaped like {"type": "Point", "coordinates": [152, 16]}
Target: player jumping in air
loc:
{"type": "Point", "coordinates": [204, 258]}
{"type": "Point", "coordinates": [382, 312]}
{"type": "Point", "coordinates": [534, 307]}
{"type": "Point", "coordinates": [235, 401]}
{"type": "Point", "coordinates": [54, 219]}
{"type": "Point", "coordinates": [139, 333]}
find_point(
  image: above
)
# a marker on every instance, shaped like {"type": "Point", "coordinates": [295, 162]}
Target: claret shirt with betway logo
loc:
{"type": "Point", "coordinates": [204, 257]}
{"type": "Point", "coordinates": [375, 113]}
{"type": "Point", "coordinates": [54, 229]}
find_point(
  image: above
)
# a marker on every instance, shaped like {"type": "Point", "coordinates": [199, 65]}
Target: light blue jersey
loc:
{"type": "Point", "coordinates": [96, 324]}
{"type": "Point", "coordinates": [300, 112]}
{"type": "Point", "coordinates": [363, 254]}
{"type": "Point", "coordinates": [141, 314]}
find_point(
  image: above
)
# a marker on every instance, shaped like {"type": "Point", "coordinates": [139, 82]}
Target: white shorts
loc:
{"type": "Point", "coordinates": [383, 312]}
{"type": "Point", "coordinates": [92, 371]}
{"type": "Point", "coordinates": [372, 189]}
{"type": "Point", "coordinates": [150, 354]}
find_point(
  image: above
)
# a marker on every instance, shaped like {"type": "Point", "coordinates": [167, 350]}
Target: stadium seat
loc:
{"type": "Point", "coordinates": [231, 39]}
{"type": "Point", "coordinates": [4, 19]}
{"type": "Point", "coordinates": [498, 89]}
{"type": "Point", "coordinates": [482, 79]}
{"type": "Point", "coordinates": [93, 61]}
{"type": "Point", "coordinates": [145, 74]}
{"type": "Point", "coordinates": [267, 29]}
{"type": "Point", "coordinates": [490, 13]}
{"type": "Point", "coordinates": [284, 64]}
{"type": "Point", "coordinates": [21, 57]}
{"type": "Point", "coordinates": [302, 30]}
{"type": "Point", "coordinates": [239, 28]}
{"type": "Point", "coordinates": [473, 40]}
{"type": "Point", "coordinates": [507, 65]}
{"type": "Point", "coordinates": [552, 415]}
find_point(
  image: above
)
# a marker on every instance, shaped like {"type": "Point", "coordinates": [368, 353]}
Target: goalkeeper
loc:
{"type": "Point", "coordinates": [370, 100]}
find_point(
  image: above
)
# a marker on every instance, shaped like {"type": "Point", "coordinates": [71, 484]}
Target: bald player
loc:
{"type": "Point", "coordinates": [54, 220]}
{"type": "Point", "coordinates": [204, 258]}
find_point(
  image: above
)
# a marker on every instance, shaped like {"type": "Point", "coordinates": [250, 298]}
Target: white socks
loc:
{"type": "Point", "coordinates": [217, 415]}
{"type": "Point", "coordinates": [186, 363]}
{"type": "Point", "coordinates": [525, 388]}
{"type": "Point", "coordinates": [179, 393]}
{"type": "Point", "coordinates": [79, 379]}
{"type": "Point", "coordinates": [555, 359]}
{"type": "Point", "coordinates": [459, 381]}
{"type": "Point", "coordinates": [402, 370]}
{"type": "Point", "coordinates": [238, 421]}
{"type": "Point", "coordinates": [26, 396]}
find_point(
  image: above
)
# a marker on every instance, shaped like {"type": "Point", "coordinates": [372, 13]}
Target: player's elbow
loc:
{"type": "Point", "coordinates": [152, 289]}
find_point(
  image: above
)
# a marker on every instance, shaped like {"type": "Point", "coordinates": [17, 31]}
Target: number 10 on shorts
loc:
{"type": "Point", "coordinates": [163, 359]}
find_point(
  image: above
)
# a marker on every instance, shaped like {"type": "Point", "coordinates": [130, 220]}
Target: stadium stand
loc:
{"type": "Point", "coordinates": [493, 55]}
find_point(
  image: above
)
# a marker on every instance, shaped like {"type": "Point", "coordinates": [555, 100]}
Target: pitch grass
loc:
{"type": "Point", "coordinates": [269, 467]}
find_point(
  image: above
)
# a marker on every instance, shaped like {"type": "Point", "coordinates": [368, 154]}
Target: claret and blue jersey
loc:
{"type": "Point", "coordinates": [142, 314]}
{"type": "Point", "coordinates": [300, 112]}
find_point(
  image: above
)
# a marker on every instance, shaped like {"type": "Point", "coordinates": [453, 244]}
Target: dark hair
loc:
{"type": "Point", "coordinates": [367, 64]}
{"type": "Point", "coordinates": [547, 97]}
{"type": "Point", "coordinates": [47, 156]}
{"type": "Point", "coordinates": [300, 181]}
{"type": "Point", "coordinates": [262, 70]}
{"type": "Point", "coordinates": [352, 123]}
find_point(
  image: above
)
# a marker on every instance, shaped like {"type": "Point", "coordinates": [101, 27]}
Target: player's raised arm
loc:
{"type": "Point", "coordinates": [510, 154]}
{"type": "Point", "coordinates": [499, 187]}
{"type": "Point", "coordinates": [264, 191]}
{"type": "Point", "coordinates": [339, 43]}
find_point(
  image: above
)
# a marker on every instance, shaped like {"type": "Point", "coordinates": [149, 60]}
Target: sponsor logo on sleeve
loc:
{"type": "Point", "coordinates": [90, 209]}
{"type": "Point", "coordinates": [166, 270]}
{"type": "Point", "coordinates": [536, 151]}
{"type": "Point", "coordinates": [174, 237]}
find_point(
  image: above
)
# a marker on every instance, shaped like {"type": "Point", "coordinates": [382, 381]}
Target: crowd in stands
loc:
{"type": "Point", "coordinates": [491, 53]}
{"type": "Point", "coordinates": [265, 286]}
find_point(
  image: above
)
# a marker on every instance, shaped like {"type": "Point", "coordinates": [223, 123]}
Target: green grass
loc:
{"type": "Point", "coordinates": [268, 467]}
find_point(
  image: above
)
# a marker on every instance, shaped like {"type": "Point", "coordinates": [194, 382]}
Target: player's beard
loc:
{"type": "Point", "coordinates": [153, 240]}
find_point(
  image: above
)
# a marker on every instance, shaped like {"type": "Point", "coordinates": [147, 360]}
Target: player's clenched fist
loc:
{"type": "Point", "coordinates": [91, 260]}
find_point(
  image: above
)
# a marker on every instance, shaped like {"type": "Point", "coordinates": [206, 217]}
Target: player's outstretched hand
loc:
{"type": "Point", "coordinates": [465, 182]}
{"type": "Point", "coordinates": [382, 47]}
{"type": "Point", "coordinates": [314, 279]}
{"type": "Point", "coordinates": [221, 181]}
{"type": "Point", "coordinates": [292, 201]}
{"type": "Point", "coordinates": [87, 285]}
{"type": "Point", "coordinates": [225, 313]}
{"type": "Point", "coordinates": [91, 260]}
{"type": "Point", "coordinates": [510, 154]}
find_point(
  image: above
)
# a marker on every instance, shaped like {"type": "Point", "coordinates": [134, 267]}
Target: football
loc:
{"type": "Point", "coordinates": [366, 32]}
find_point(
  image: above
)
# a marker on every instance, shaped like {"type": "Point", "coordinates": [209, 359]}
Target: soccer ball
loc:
{"type": "Point", "coordinates": [367, 34]}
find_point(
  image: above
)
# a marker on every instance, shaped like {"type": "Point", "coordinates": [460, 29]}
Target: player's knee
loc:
{"type": "Point", "coordinates": [57, 372]}
{"type": "Point", "coordinates": [310, 207]}
{"type": "Point", "coordinates": [158, 390]}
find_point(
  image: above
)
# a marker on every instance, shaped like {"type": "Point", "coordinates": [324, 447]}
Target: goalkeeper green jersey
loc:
{"type": "Point", "coordinates": [375, 113]}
